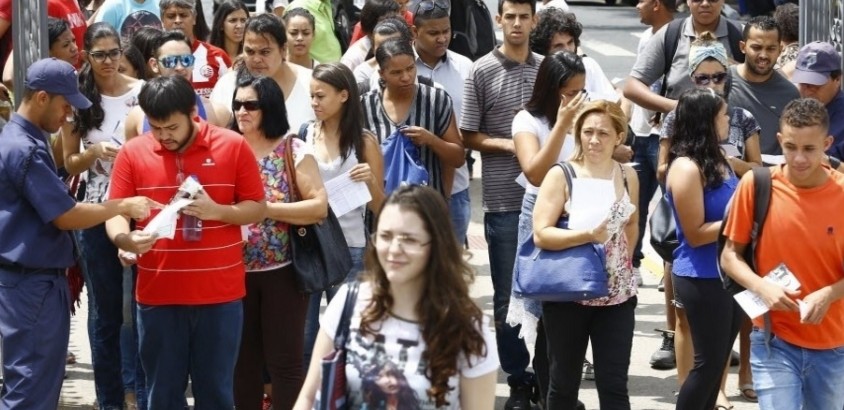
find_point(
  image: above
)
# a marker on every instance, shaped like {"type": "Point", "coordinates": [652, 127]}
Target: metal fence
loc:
{"type": "Point", "coordinates": [822, 20]}
{"type": "Point", "coordinates": [29, 37]}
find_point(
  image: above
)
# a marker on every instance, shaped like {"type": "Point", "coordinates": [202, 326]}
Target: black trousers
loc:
{"type": "Point", "coordinates": [569, 327]}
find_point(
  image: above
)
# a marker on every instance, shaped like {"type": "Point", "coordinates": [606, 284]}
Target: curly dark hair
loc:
{"type": "Point", "coordinates": [761, 23]}
{"type": "Point", "coordinates": [787, 17]}
{"type": "Point", "coordinates": [805, 112]}
{"type": "Point", "coordinates": [450, 321]}
{"type": "Point", "coordinates": [551, 22]}
{"type": "Point", "coordinates": [695, 134]}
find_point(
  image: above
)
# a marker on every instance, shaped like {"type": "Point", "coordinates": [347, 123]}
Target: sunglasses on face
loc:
{"type": "Point", "coordinates": [249, 105]}
{"type": "Point", "coordinates": [705, 79]}
{"type": "Point", "coordinates": [100, 56]}
{"type": "Point", "coordinates": [185, 60]}
{"type": "Point", "coordinates": [428, 5]}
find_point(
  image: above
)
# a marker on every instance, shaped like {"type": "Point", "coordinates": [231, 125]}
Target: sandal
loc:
{"type": "Point", "coordinates": [746, 391]}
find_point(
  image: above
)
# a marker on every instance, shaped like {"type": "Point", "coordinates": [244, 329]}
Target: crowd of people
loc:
{"type": "Point", "coordinates": [139, 99]}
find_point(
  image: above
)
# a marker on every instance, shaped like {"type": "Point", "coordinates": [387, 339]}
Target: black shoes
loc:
{"type": "Point", "coordinates": [664, 358]}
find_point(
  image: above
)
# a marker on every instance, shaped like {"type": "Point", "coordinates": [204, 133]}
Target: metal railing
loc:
{"type": "Point", "coordinates": [29, 38]}
{"type": "Point", "coordinates": [822, 20]}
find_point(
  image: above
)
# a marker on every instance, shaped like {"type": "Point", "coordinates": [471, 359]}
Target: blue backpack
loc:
{"type": "Point", "coordinates": [401, 163]}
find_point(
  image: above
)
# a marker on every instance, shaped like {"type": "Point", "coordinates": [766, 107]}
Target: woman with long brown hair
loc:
{"type": "Point", "coordinates": [414, 325]}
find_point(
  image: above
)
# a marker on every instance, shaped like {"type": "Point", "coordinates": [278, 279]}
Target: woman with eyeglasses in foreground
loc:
{"type": "Point", "coordinates": [708, 66]}
{"type": "Point", "coordinates": [100, 131]}
{"type": "Point", "coordinates": [273, 309]}
{"type": "Point", "coordinates": [417, 339]}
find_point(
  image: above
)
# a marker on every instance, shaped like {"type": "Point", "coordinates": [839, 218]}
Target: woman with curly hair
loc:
{"type": "Point", "coordinates": [414, 310]}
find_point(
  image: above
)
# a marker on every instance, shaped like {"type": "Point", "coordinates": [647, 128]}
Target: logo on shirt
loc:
{"type": "Point", "coordinates": [206, 71]}
{"type": "Point", "coordinates": [208, 162]}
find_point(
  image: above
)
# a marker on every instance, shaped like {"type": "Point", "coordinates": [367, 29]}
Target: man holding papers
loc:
{"type": "Point", "coordinates": [190, 287]}
{"type": "Point", "coordinates": [797, 361]}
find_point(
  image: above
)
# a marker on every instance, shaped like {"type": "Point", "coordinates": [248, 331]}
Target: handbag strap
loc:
{"type": "Point", "coordinates": [342, 333]}
{"type": "Point", "coordinates": [290, 168]}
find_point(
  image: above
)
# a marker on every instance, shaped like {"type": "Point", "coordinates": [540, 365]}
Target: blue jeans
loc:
{"type": "Point", "coordinates": [104, 280]}
{"type": "Point", "coordinates": [200, 342]}
{"type": "Point", "coordinates": [460, 209]}
{"type": "Point", "coordinates": [792, 377]}
{"type": "Point", "coordinates": [645, 155]}
{"type": "Point", "coordinates": [312, 318]}
{"type": "Point", "coordinates": [501, 232]}
{"type": "Point", "coordinates": [35, 328]}
{"type": "Point", "coordinates": [133, 372]}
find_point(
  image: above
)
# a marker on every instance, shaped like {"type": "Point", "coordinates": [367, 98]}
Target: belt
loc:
{"type": "Point", "coordinates": [18, 268]}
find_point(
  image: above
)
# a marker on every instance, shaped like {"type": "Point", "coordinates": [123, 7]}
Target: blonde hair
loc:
{"type": "Point", "coordinates": [611, 109]}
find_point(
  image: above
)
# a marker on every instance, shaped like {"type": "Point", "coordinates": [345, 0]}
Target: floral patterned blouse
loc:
{"type": "Point", "coordinates": [268, 243]}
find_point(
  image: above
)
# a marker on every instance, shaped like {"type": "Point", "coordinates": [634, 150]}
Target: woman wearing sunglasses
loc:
{"type": "Point", "coordinates": [99, 129]}
{"type": "Point", "coordinates": [709, 70]}
{"type": "Point", "coordinates": [273, 309]}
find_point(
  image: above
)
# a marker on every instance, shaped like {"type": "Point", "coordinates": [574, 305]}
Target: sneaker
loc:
{"type": "Point", "coordinates": [661, 286]}
{"type": "Point", "coordinates": [638, 275]}
{"type": "Point", "coordinates": [588, 371]}
{"type": "Point", "coordinates": [519, 398]}
{"type": "Point", "coordinates": [267, 403]}
{"type": "Point", "coordinates": [664, 358]}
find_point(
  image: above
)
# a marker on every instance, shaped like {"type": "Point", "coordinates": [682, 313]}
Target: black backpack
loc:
{"type": "Point", "coordinates": [473, 32]}
{"type": "Point", "coordinates": [761, 199]}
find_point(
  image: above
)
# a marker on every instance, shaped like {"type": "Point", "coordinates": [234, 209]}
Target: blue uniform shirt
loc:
{"type": "Point", "coordinates": [835, 109]}
{"type": "Point", "coordinates": [32, 197]}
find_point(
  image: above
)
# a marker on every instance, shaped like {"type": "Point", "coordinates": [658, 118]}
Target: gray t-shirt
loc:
{"type": "Point", "coordinates": [765, 101]}
{"type": "Point", "coordinates": [650, 65]}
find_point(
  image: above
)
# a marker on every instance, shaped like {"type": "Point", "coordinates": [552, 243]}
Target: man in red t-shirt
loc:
{"type": "Point", "coordinates": [61, 9]}
{"type": "Point", "coordinates": [190, 287]}
{"type": "Point", "coordinates": [211, 62]}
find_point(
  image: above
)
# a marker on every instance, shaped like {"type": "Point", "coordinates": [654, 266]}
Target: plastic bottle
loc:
{"type": "Point", "coordinates": [191, 225]}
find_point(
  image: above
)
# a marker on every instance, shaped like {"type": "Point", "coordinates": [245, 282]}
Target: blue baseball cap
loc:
{"type": "Point", "coordinates": [56, 77]}
{"type": "Point", "coordinates": [814, 63]}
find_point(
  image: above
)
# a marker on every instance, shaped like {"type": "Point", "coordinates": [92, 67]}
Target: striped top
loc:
{"type": "Point", "coordinates": [431, 109]}
{"type": "Point", "coordinates": [174, 271]}
{"type": "Point", "coordinates": [497, 89]}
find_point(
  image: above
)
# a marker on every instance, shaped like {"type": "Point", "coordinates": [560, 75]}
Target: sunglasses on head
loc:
{"type": "Point", "coordinates": [705, 79]}
{"type": "Point", "coordinates": [249, 105]}
{"type": "Point", "coordinates": [186, 60]}
{"type": "Point", "coordinates": [429, 5]}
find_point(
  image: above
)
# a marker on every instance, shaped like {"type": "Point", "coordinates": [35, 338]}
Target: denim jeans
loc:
{"type": "Point", "coordinates": [104, 281]}
{"type": "Point", "coordinates": [35, 327]}
{"type": "Point", "coordinates": [645, 155]}
{"type": "Point", "coordinates": [199, 342]}
{"type": "Point", "coordinates": [133, 372]}
{"type": "Point", "coordinates": [460, 209]}
{"type": "Point", "coordinates": [312, 318]}
{"type": "Point", "coordinates": [501, 232]}
{"type": "Point", "coordinates": [792, 377]}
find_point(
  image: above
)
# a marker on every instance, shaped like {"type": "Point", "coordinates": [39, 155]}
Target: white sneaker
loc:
{"type": "Point", "coordinates": [638, 275]}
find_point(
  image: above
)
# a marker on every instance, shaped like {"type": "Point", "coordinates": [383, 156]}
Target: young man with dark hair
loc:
{"type": "Point", "coordinates": [432, 30]}
{"type": "Point", "coordinates": [211, 61]}
{"type": "Point", "coordinates": [499, 84]}
{"type": "Point", "coordinates": [818, 75]}
{"type": "Point", "coordinates": [757, 87]}
{"type": "Point", "coordinates": [35, 214]}
{"type": "Point", "coordinates": [796, 348]}
{"type": "Point", "coordinates": [189, 287]}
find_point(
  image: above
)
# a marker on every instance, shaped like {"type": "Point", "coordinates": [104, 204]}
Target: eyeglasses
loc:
{"type": "Point", "coordinates": [100, 56]}
{"type": "Point", "coordinates": [705, 79]}
{"type": "Point", "coordinates": [701, 1]}
{"type": "Point", "coordinates": [249, 105]}
{"type": "Point", "coordinates": [407, 243]}
{"type": "Point", "coordinates": [428, 5]}
{"type": "Point", "coordinates": [186, 60]}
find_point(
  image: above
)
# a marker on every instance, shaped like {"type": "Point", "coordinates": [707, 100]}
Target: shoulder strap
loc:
{"type": "Point", "coordinates": [342, 333]}
{"type": "Point", "coordinates": [761, 199]}
{"type": "Point", "coordinates": [569, 173]}
{"type": "Point", "coordinates": [735, 36]}
{"type": "Point", "coordinates": [290, 168]}
{"type": "Point", "coordinates": [672, 39]}
{"type": "Point", "coordinates": [624, 178]}
{"type": "Point", "coordinates": [303, 130]}
{"type": "Point", "coordinates": [834, 163]}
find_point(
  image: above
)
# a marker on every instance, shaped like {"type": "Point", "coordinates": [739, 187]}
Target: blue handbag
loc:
{"type": "Point", "coordinates": [401, 163]}
{"type": "Point", "coordinates": [566, 275]}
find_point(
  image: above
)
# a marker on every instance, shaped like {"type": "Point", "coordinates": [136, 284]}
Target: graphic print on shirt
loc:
{"type": "Point", "coordinates": [138, 20]}
{"type": "Point", "coordinates": [384, 381]}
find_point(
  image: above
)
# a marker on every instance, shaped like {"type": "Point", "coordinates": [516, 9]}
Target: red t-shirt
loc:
{"type": "Point", "coordinates": [62, 9]}
{"type": "Point", "coordinates": [211, 63]}
{"type": "Point", "coordinates": [357, 34]}
{"type": "Point", "coordinates": [176, 272]}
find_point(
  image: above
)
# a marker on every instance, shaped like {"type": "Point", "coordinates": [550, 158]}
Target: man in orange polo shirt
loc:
{"type": "Point", "coordinates": [799, 364]}
{"type": "Point", "coordinates": [190, 287]}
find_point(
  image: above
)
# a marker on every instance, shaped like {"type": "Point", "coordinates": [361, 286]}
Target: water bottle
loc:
{"type": "Point", "coordinates": [191, 225]}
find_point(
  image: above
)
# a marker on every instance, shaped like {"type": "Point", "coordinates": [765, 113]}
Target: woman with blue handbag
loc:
{"type": "Point", "coordinates": [606, 321]}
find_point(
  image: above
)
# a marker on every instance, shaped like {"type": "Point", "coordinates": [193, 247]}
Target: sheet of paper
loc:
{"type": "Point", "coordinates": [773, 159]}
{"type": "Point", "coordinates": [345, 195]}
{"type": "Point", "coordinates": [731, 150]}
{"type": "Point", "coordinates": [163, 225]}
{"type": "Point", "coordinates": [591, 200]}
{"type": "Point", "coordinates": [522, 180]}
{"type": "Point", "coordinates": [753, 305]}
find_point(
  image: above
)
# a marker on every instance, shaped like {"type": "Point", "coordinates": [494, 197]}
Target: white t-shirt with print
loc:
{"type": "Point", "coordinates": [391, 361]}
{"type": "Point", "coordinates": [526, 122]}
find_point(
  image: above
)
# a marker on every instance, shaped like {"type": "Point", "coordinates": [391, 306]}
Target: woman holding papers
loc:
{"type": "Point", "coordinates": [343, 149]}
{"type": "Point", "coordinates": [699, 184]}
{"type": "Point", "coordinates": [600, 182]}
{"type": "Point", "coordinates": [99, 130]}
{"type": "Point", "coordinates": [273, 309]}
